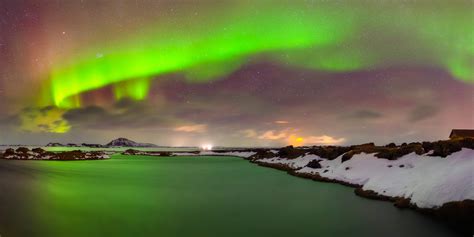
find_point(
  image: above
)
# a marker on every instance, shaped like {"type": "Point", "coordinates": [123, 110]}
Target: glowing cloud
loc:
{"type": "Point", "coordinates": [272, 135]}
{"type": "Point", "coordinates": [47, 119]}
{"type": "Point", "coordinates": [323, 140]}
{"type": "Point", "coordinates": [196, 128]}
{"type": "Point", "coordinates": [289, 136]}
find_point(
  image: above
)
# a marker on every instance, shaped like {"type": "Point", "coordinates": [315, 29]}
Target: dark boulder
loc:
{"type": "Point", "coordinates": [314, 164]}
{"type": "Point", "coordinates": [38, 150]}
{"type": "Point", "coordinates": [130, 152]}
{"type": "Point", "coordinates": [71, 155]}
{"type": "Point", "coordinates": [23, 150]}
{"type": "Point", "coordinates": [9, 152]}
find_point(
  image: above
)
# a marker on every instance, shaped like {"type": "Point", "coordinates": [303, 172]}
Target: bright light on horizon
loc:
{"type": "Point", "coordinates": [206, 147]}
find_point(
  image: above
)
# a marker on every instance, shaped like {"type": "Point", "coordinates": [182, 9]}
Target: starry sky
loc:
{"type": "Point", "coordinates": [235, 73]}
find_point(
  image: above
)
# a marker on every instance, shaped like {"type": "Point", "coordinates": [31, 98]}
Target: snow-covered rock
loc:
{"type": "Point", "coordinates": [428, 181]}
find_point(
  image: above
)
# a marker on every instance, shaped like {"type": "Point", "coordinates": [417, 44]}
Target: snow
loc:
{"type": "Point", "coordinates": [428, 181]}
{"type": "Point", "coordinates": [296, 163]}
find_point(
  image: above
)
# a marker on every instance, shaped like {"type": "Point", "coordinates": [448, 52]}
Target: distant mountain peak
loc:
{"type": "Point", "coordinates": [125, 142]}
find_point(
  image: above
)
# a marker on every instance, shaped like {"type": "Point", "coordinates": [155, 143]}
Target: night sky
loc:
{"type": "Point", "coordinates": [235, 73]}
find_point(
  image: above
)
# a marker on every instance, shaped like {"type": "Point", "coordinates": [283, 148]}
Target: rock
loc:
{"type": "Point", "coordinates": [467, 143]}
{"type": "Point", "coordinates": [347, 156]}
{"type": "Point", "coordinates": [166, 153]}
{"type": "Point", "coordinates": [445, 148]}
{"type": "Point", "coordinates": [397, 152]}
{"type": "Point", "coordinates": [262, 154]}
{"type": "Point", "coordinates": [23, 150]}
{"type": "Point", "coordinates": [9, 152]}
{"type": "Point", "coordinates": [402, 203]}
{"type": "Point", "coordinates": [290, 152]}
{"type": "Point", "coordinates": [391, 145]}
{"type": "Point", "coordinates": [92, 145]}
{"type": "Point", "coordinates": [314, 164]}
{"type": "Point", "coordinates": [131, 152]}
{"type": "Point", "coordinates": [363, 148]}
{"type": "Point", "coordinates": [427, 146]}
{"type": "Point", "coordinates": [459, 214]}
{"type": "Point", "coordinates": [124, 142]}
{"type": "Point", "coordinates": [38, 150]}
{"type": "Point", "coordinates": [329, 152]}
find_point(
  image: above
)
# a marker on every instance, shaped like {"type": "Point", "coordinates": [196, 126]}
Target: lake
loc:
{"type": "Point", "coordinates": [187, 196]}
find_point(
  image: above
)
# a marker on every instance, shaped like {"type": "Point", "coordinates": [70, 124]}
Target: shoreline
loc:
{"type": "Point", "coordinates": [433, 178]}
{"type": "Point", "coordinates": [457, 214]}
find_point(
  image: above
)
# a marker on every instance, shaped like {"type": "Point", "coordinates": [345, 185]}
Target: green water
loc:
{"type": "Point", "coordinates": [187, 196]}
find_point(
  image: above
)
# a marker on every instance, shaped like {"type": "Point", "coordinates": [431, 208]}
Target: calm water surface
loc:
{"type": "Point", "coordinates": [187, 196]}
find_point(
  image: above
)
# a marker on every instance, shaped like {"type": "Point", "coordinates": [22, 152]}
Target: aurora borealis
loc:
{"type": "Point", "coordinates": [238, 72]}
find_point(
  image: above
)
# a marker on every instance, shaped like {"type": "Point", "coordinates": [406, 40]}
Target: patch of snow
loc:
{"type": "Point", "coordinates": [428, 181]}
{"type": "Point", "coordinates": [295, 163]}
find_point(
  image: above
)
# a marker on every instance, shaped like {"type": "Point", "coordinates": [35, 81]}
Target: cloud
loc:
{"type": "Point", "coordinates": [281, 122]}
{"type": "Point", "coordinates": [322, 140]}
{"type": "Point", "coordinates": [196, 128]}
{"type": "Point", "coordinates": [290, 136]}
{"type": "Point", "coordinates": [364, 114]}
{"type": "Point", "coordinates": [422, 112]}
{"type": "Point", "coordinates": [272, 135]}
{"type": "Point", "coordinates": [47, 119]}
{"type": "Point", "coordinates": [250, 133]}
{"type": "Point", "coordinates": [123, 114]}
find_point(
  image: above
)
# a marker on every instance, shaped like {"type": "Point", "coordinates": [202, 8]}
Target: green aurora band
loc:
{"type": "Point", "coordinates": [329, 37]}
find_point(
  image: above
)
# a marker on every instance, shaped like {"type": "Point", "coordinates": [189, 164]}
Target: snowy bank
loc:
{"type": "Point", "coordinates": [427, 181]}
{"type": "Point", "coordinates": [435, 178]}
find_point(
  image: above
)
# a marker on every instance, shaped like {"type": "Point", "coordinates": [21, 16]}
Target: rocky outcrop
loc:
{"type": "Point", "coordinates": [445, 148]}
{"type": "Point", "coordinates": [124, 142]}
{"type": "Point", "coordinates": [314, 164]}
{"type": "Point", "coordinates": [56, 144]}
{"type": "Point", "coordinates": [262, 154]}
{"type": "Point", "coordinates": [92, 145]}
{"type": "Point", "coordinates": [328, 152]}
{"type": "Point", "coordinates": [24, 153]}
{"type": "Point", "coordinates": [133, 152]}
{"type": "Point", "coordinates": [393, 153]}
{"type": "Point", "coordinates": [290, 152]}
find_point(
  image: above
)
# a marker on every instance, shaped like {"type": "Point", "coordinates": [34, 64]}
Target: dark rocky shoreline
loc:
{"type": "Point", "coordinates": [23, 153]}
